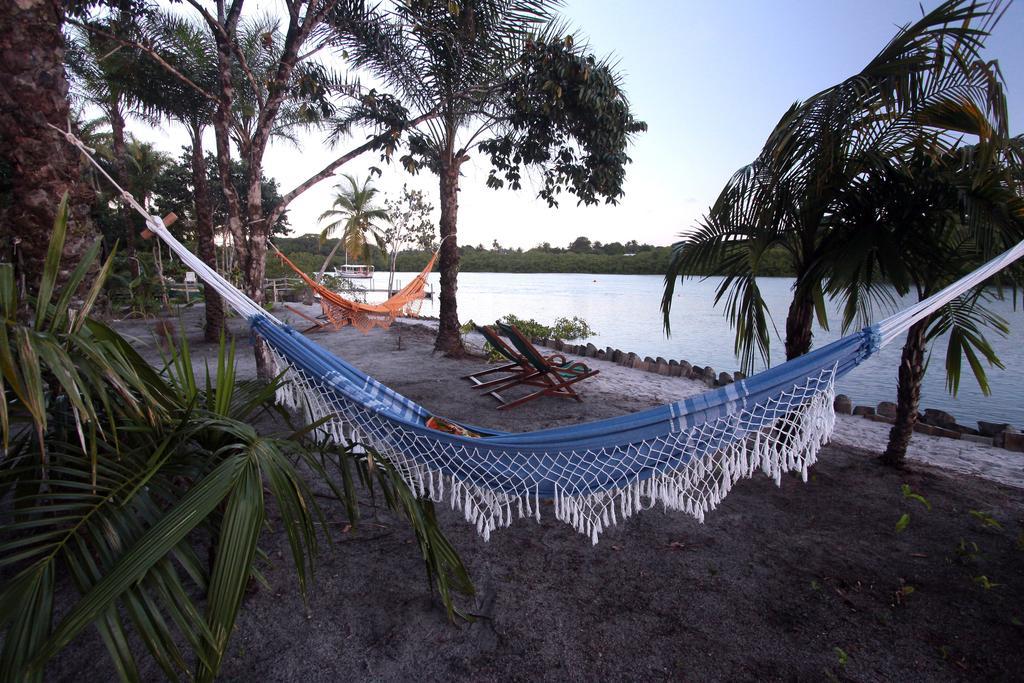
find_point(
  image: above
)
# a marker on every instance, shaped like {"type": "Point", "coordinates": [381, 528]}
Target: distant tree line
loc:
{"type": "Point", "coordinates": [582, 255]}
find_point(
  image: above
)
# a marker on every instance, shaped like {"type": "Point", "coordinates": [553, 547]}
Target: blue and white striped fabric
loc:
{"type": "Point", "coordinates": [561, 445]}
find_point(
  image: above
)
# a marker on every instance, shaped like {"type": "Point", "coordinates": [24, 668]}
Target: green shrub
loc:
{"type": "Point", "coordinates": [117, 478]}
{"type": "Point", "coordinates": [566, 329]}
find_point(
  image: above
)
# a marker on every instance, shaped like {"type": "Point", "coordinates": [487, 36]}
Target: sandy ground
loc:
{"type": "Point", "coordinates": [799, 582]}
{"type": "Point", "coordinates": [952, 455]}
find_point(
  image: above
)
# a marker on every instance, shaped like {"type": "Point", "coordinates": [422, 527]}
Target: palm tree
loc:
{"type": "Point", "coordinates": [498, 77]}
{"type": "Point", "coordinates": [36, 166]}
{"type": "Point", "coordinates": [928, 82]}
{"type": "Point", "coordinates": [355, 215]}
{"type": "Point", "coordinates": [452, 58]}
{"type": "Point", "coordinates": [266, 85]}
{"type": "Point", "coordinates": [116, 523]}
{"type": "Point", "coordinates": [915, 226]}
{"type": "Point", "coordinates": [103, 76]}
{"type": "Point", "coordinates": [261, 43]}
{"type": "Point", "coordinates": [194, 56]}
{"type": "Point", "coordinates": [191, 50]}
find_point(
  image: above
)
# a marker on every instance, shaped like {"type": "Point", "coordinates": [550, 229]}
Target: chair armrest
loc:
{"type": "Point", "coordinates": [576, 368]}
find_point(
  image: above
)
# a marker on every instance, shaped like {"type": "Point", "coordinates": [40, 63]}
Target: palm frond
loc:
{"type": "Point", "coordinates": [963, 319]}
{"type": "Point", "coordinates": [122, 475]}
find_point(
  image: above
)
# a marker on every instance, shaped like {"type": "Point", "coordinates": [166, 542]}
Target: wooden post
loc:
{"type": "Point", "coordinates": [274, 282]}
{"type": "Point", "coordinates": [169, 220]}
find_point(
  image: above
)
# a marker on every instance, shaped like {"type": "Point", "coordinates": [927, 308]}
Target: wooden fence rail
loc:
{"type": "Point", "coordinates": [275, 286]}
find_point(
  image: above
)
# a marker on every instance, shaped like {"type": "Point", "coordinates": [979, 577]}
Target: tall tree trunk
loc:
{"type": "Point", "coordinates": [222, 137]}
{"type": "Point", "coordinates": [256, 261]}
{"type": "Point", "coordinates": [799, 322]}
{"type": "Point", "coordinates": [204, 231]}
{"type": "Point", "coordinates": [393, 262]}
{"type": "Point", "coordinates": [124, 213]}
{"type": "Point", "coordinates": [908, 393]}
{"type": "Point", "coordinates": [448, 338]}
{"type": "Point", "coordinates": [221, 127]}
{"type": "Point", "coordinates": [37, 166]}
{"type": "Point", "coordinates": [158, 266]}
{"type": "Point", "coordinates": [327, 261]}
{"type": "Point", "coordinates": [233, 206]}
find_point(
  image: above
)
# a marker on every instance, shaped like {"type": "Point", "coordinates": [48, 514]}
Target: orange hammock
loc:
{"type": "Point", "coordinates": [340, 311]}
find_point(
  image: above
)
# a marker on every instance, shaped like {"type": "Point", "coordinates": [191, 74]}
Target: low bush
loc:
{"type": "Point", "coordinates": [116, 479]}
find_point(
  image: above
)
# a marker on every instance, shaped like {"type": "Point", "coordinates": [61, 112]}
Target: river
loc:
{"type": "Point", "coordinates": [624, 311]}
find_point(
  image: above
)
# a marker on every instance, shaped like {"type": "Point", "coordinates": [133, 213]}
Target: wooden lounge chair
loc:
{"type": "Point", "coordinates": [552, 378]}
{"type": "Point", "coordinates": [318, 323]}
{"type": "Point", "coordinates": [514, 372]}
{"type": "Point", "coordinates": [515, 366]}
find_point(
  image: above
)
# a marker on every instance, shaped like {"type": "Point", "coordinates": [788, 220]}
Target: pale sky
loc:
{"type": "Point", "coordinates": [709, 78]}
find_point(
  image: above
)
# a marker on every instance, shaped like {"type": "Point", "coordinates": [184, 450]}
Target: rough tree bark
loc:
{"type": "Point", "coordinates": [448, 338]}
{"type": "Point", "coordinates": [124, 213]}
{"type": "Point", "coordinates": [39, 165]}
{"type": "Point", "coordinates": [251, 243]}
{"type": "Point", "coordinates": [328, 260]}
{"type": "Point", "coordinates": [204, 233]}
{"type": "Point", "coordinates": [799, 322]}
{"type": "Point", "coordinates": [222, 128]}
{"type": "Point", "coordinates": [908, 393]}
{"type": "Point", "coordinates": [256, 262]}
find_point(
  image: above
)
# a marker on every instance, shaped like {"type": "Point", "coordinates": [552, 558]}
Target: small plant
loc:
{"type": "Point", "coordinates": [491, 352]}
{"type": "Point", "coordinates": [967, 551]}
{"type": "Point", "coordinates": [571, 328]}
{"type": "Point", "coordinates": [985, 583]}
{"type": "Point", "coordinates": [566, 329]}
{"type": "Point", "coordinates": [528, 326]}
{"type": "Point", "coordinates": [467, 327]}
{"type": "Point", "coordinates": [842, 656]}
{"type": "Point", "coordinates": [910, 494]}
{"type": "Point", "coordinates": [987, 520]}
{"type": "Point", "coordinates": [901, 594]}
{"type": "Point", "coordinates": [133, 296]}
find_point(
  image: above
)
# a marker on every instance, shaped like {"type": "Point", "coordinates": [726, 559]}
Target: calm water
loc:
{"type": "Point", "coordinates": [624, 310]}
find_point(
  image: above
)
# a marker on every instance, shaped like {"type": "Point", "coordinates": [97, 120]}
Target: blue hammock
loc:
{"type": "Point", "coordinates": [685, 455]}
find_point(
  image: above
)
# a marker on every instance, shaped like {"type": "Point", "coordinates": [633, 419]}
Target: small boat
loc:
{"type": "Point", "coordinates": [351, 272]}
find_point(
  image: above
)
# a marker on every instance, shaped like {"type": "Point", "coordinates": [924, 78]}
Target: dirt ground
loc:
{"type": "Point", "coordinates": [799, 582]}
